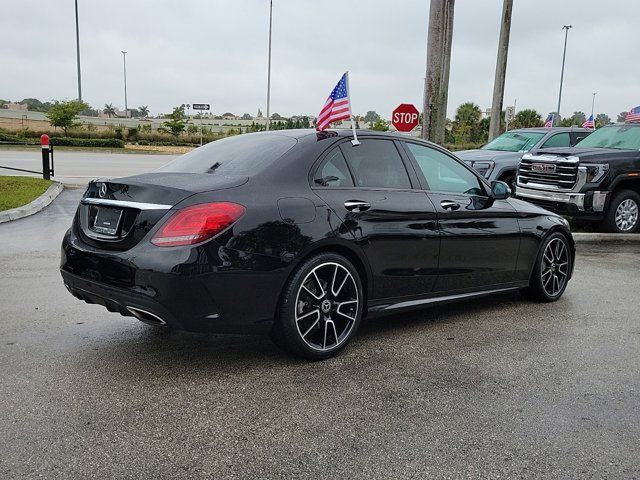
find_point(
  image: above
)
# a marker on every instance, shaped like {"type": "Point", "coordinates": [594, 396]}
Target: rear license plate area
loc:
{"type": "Point", "coordinates": [106, 220]}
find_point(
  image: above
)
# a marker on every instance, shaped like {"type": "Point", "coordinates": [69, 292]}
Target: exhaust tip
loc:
{"type": "Point", "coordinates": [146, 317]}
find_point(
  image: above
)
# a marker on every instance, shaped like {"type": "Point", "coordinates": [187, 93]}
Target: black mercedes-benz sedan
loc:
{"type": "Point", "coordinates": [301, 234]}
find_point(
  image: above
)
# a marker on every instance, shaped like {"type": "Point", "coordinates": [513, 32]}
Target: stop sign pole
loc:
{"type": "Point", "coordinates": [405, 117]}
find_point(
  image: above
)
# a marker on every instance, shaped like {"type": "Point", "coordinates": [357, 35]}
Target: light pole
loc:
{"type": "Point", "coordinates": [78, 54]}
{"type": "Point", "coordinates": [593, 103]}
{"type": "Point", "coordinates": [269, 64]}
{"type": "Point", "coordinates": [124, 64]}
{"type": "Point", "coordinates": [564, 54]}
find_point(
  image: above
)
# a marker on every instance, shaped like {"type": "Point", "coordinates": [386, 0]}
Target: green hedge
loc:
{"type": "Point", "coordinates": [87, 142]}
{"type": "Point", "coordinates": [463, 146]}
{"type": "Point", "coordinates": [15, 140]}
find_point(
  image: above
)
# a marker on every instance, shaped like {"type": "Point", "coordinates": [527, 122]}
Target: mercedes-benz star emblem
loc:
{"type": "Point", "coordinates": [103, 190]}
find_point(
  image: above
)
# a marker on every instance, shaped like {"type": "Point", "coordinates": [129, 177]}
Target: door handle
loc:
{"type": "Point", "coordinates": [357, 205]}
{"type": "Point", "coordinates": [449, 205]}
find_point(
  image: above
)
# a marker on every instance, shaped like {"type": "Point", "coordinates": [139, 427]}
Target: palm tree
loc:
{"type": "Point", "coordinates": [144, 111]}
{"type": "Point", "coordinates": [109, 109]}
{"type": "Point", "coordinates": [468, 114]}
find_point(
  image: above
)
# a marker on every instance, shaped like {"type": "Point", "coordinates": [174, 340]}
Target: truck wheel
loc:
{"type": "Point", "coordinates": [510, 179]}
{"type": "Point", "coordinates": [623, 214]}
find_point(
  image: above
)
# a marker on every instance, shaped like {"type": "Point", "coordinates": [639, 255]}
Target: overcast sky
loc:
{"type": "Point", "coordinates": [215, 51]}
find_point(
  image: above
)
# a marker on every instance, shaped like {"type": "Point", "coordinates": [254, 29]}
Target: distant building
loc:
{"type": "Point", "coordinates": [17, 106]}
{"type": "Point", "coordinates": [259, 114]}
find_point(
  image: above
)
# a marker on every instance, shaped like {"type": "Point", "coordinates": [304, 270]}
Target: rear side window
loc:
{"type": "Point", "coordinates": [558, 140]}
{"type": "Point", "coordinates": [377, 163]}
{"type": "Point", "coordinates": [237, 155]}
{"type": "Point", "coordinates": [333, 172]}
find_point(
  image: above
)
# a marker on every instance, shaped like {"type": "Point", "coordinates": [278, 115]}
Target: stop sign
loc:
{"type": "Point", "coordinates": [405, 117]}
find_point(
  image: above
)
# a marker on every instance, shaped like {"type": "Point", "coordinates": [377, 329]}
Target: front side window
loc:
{"type": "Point", "coordinates": [333, 171]}
{"type": "Point", "coordinates": [443, 173]}
{"type": "Point", "coordinates": [378, 164]}
{"type": "Point", "coordinates": [559, 140]}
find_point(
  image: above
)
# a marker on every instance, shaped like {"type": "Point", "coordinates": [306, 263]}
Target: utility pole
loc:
{"type": "Point", "coordinates": [436, 85]}
{"type": "Point", "coordinates": [501, 70]}
{"type": "Point", "coordinates": [269, 65]}
{"type": "Point", "coordinates": [124, 64]}
{"type": "Point", "coordinates": [78, 54]}
{"type": "Point", "coordinates": [564, 55]}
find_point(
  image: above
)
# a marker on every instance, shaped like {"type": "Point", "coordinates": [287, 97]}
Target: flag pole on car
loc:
{"type": "Point", "coordinates": [338, 107]}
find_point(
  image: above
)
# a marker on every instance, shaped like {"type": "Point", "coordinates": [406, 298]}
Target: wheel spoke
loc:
{"type": "Point", "coordinates": [311, 327]}
{"type": "Point", "coordinates": [317, 297]}
{"type": "Point", "coordinates": [319, 284]}
{"type": "Point", "coordinates": [312, 312]}
{"type": "Point", "coordinates": [337, 292]}
{"type": "Point", "coordinates": [340, 305]}
{"type": "Point", "coordinates": [324, 342]}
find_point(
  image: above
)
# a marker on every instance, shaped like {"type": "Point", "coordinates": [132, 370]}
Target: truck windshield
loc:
{"type": "Point", "coordinates": [514, 141]}
{"type": "Point", "coordinates": [623, 137]}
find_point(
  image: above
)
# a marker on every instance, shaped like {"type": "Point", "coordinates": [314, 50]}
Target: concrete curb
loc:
{"type": "Point", "coordinates": [34, 207]}
{"type": "Point", "coordinates": [627, 238]}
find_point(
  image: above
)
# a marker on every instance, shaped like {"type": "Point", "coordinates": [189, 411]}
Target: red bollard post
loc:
{"type": "Point", "coordinates": [46, 169]}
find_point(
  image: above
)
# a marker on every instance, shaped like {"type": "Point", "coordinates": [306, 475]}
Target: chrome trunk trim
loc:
{"type": "Point", "coordinates": [125, 204]}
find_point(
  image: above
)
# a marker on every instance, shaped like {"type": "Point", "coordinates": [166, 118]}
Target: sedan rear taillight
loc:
{"type": "Point", "coordinates": [197, 223]}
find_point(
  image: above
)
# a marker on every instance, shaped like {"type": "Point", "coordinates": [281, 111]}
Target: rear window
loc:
{"type": "Point", "coordinates": [239, 155]}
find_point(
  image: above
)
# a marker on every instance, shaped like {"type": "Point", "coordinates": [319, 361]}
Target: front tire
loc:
{"type": "Point", "coordinates": [320, 309]}
{"type": "Point", "coordinates": [623, 215]}
{"type": "Point", "coordinates": [551, 271]}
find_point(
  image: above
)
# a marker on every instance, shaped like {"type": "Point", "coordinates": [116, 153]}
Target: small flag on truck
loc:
{"type": "Point", "coordinates": [634, 115]}
{"type": "Point", "coordinates": [589, 123]}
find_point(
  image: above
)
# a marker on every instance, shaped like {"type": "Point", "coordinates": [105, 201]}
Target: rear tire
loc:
{"type": "Point", "coordinates": [551, 271]}
{"type": "Point", "coordinates": [624, 213]}
{"type": "Point", "coordinates": [320, 309]}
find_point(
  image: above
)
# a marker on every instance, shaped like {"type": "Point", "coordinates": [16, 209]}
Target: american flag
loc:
{"type": "Point", "coordinates": [337, 106]}
{"type": "Point", "coordinates": [589, 123]}
{"type": "Point", "coordinates": [548, 123]}
{"type": "Point", "coordinates": [634, 115]}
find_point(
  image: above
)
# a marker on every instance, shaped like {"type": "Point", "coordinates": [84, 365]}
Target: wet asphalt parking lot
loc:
{"type": "Point", "coordinates": [492, 388]}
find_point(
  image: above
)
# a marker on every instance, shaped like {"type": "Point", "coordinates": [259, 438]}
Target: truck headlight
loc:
{"type": "Point", "coordinates": [595, 172]}
{"type": "Point", "coordinates": [484, 168]}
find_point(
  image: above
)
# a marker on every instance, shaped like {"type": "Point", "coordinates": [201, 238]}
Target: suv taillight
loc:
{"type": "Point", "coordinates": [197, 223]}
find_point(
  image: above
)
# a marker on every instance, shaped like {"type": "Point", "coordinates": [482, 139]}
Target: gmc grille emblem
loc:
{"type": "Point", "coordinates": [543, 167]}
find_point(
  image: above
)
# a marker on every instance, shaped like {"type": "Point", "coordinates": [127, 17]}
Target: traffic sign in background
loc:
{"type": "Point", "coordinates": [405, 117]}
{"type": "Point", "coordinates": [201, 106]}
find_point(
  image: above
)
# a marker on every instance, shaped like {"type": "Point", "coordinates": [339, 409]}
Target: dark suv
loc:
{"type": "Point", "coordinates": [598, 180]}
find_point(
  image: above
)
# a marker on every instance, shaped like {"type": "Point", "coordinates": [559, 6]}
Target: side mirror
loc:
{"type": "Point", "coordinates": [500, 190]}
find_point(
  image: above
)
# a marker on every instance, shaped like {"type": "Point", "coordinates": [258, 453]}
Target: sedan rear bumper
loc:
{"type": "Point", "coordinates": [182, 288]}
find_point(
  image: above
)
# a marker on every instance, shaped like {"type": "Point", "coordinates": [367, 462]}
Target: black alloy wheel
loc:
{"type": "Point", "coordinates": [551, 270]}
{"type": "Point", "coordinates": [321, 308]}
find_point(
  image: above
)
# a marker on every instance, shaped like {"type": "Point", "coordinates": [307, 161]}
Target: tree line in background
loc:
{"type": "Point", "coordinates": [468, 129]}
{"type": "Point", "coordinates": [35, 105]}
